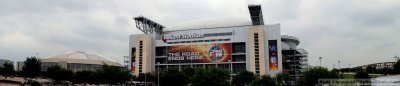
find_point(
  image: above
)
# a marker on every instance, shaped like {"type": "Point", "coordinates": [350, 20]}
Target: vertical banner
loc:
{"type": "Point", "coordinates": [273, 54]}
{"type": "Point", "coordinates": [133, 55]}
{"type": "Point", "coordinates": [205, 53]}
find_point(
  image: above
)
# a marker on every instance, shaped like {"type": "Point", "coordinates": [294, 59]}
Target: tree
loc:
{"type": "Point", "coordinates": [171, 76]}
{"type": "Point", "coordinates": [32, 68]}
{"type": "Point", "coordinates": [396, 67]}
{"type": "Point", "coordinates": [264, 80]}
{"type": "Point", "coordinates": [58, 74]}
{"type": "Point", "coordinates": [362, 75]}
{"type": "Point", "coordinates": [189, 72]}
{"type": "Point", "coordinates": [7, 70]}
{"type": "Point", "coordinates": [113, 75]}
{"type": "Point", "coordinates": [371, 69]}
{"type": "Point", "coordinates": [243, 78]}
{"type": "Point", "coordinates": [210, 77]}
{"type": "Point", "coordinates": [385, 71]}
{"type": "Point", "coordinates": [85, 77]}
{"type": "Point", "coordinates": [145, 77]}
{"type": "Point", "coordinates": [311, 75]}
{"type": "Point", "coordinates": [335, 70]}
{"type": "Point", "coordinates": [282, 78]}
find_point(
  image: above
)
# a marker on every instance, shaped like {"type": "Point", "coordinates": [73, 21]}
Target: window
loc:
{"type": "Point", "coordinates": [239, 47]}
{"type": "Point", "coordinates": [215, 34]}
{"type": "Point", "coordinates": [238, 58]}
{"type": "Point", "coordinates": [161, 60]}
{"type": "Point", "coordinates": [230, 33]}
{"type": "Point", "coordinates": [238, 67]}
{"type": "Point", "coordinates": [227, 39]}
{"type": "Point", "coordinates": [255, 33]}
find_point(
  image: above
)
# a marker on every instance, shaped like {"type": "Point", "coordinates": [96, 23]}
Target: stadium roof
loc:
{"type": "Point", "coordinates": [211, 23]}
{"type": "Point", "coordinates": [81, 58]}
{"type": "Point", "coordinates": [290, 38]}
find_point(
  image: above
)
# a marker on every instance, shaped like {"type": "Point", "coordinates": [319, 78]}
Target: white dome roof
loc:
{"type": "Point", "coordinates": [211, 23]}
{"type": "Point", "coordinates": [82, 58]}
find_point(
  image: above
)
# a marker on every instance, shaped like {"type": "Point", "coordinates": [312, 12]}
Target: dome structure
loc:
{"type": "Point", "coordinates": [81, 57]}
{"type": "Point", "coordinates": [78, 61]}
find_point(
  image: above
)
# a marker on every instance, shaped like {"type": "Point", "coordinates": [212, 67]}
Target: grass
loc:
{"type": "Point", "coordinates": [351, 75]}
{"type": "Point", "coordinates": [347, 76]}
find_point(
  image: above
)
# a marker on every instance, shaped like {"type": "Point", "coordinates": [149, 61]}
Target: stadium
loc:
{"type": "Point", "coordinates": [75, 61]}
{"type": "Point", "coordinates": [232, 44]}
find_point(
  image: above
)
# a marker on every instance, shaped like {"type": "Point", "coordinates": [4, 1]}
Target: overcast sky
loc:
{"type": "Point", "coordinates": [354, 32]}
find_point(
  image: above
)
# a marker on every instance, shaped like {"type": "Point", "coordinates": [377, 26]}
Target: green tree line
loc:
{"type": "Point", "coordinates": [173, 77]}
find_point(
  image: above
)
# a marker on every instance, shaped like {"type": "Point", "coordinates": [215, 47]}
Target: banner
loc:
{"type": "Point", "coordinates": [206, 53]}
{"type": "Point", "coordinates": [273, 55]}
{"type": "Point", "coordinates": [133, 55]}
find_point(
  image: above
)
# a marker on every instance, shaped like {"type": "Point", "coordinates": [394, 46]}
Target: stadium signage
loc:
{"type": "Point", "coordinates": [203, 53]}
{"type": "Point", "coordinates": [181, 36]}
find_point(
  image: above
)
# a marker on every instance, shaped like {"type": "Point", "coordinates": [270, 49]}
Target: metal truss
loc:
{"type": "Point", "coordinates": [147, 26]}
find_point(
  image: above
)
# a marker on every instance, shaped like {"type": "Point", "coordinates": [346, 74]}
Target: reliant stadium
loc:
{"type": "Point", "coordinates": [232, 44]}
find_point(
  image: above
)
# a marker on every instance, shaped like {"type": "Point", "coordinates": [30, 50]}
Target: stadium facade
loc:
{"type": "Point", "coordinates": [234, 45]}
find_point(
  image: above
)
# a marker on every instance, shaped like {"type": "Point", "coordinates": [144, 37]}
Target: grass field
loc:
{"type": "Point", "coordinates": [351, 75]}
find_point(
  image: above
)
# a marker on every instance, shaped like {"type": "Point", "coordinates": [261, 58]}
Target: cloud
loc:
{"type": "Point", "coordinates": [355, 32]}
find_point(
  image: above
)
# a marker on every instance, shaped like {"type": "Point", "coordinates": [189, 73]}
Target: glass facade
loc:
{"type": "Point", "coordinates": [237, 63]}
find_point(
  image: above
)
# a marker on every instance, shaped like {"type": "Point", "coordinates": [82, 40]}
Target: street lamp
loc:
{"type": "Point", "coordinates": [339, 64]}
{"type": "Point", "coordinates": [339, 68]}
{"type": "Point", "coordinates": [349, 67]}
{"type": "Point", "coordinates": [320, 59]}
{"type": "Point", "coordinates": [145, 79]}
{"type": "Point", "coordinates": [231, 69]}
{"type": "Point", "coordinates": [158, 74]}
{"type": "Point", "coordinates": [333, 66]}
{"type": "Point", "coordinates": [397, 58]}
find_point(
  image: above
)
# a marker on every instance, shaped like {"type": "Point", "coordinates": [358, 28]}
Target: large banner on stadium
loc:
{"type": "Point", "coordinates": [205, 53]}
{"type": "Point", "coordinates": [133, 55]}
{"type": "Point", "coordinates": [273, 54]}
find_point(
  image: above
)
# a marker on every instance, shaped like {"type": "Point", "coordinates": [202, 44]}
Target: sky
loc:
{"type": "Point", "coordinates": [355, 32]}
